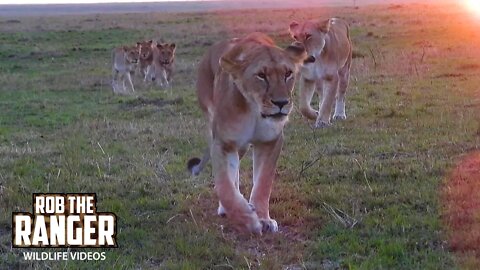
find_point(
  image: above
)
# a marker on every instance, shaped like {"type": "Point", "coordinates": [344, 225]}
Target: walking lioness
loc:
{"type": "Point", "coordinates": [146, 58]}
{"type": "Point", "coordinates": [125, 60]}
{"type": "Point", "coordinates": [163, 63]}
{"type": "Point", "coordinates": [244, 88]}
{"type": "Point", "coordinates": [327, 67]}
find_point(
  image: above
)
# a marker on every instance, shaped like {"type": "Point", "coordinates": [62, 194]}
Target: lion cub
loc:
{"type": "Point", "coordinates": [146, 58]}
{"type": "Point", "coordinates": [125, 60]}
{"type": "Point", "coordinates": [163, 63]}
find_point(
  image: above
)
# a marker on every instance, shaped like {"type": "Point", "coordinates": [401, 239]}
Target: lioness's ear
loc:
{"type": "Point", "coordinates": [125, 48]}
{"type": "Point", "coordinates": [297, 52]}
{"type": "Point", "coordinates": [150, 41]}
{"type": "Point", "coordinates": [159, 45]}
{"type": "Point", "coordinates": [138, 44]}
{"type": "Point", "coordinates": [173, 46]}
{"type": "Point", "coordinates": [324, 26]}
{"type": "Point", "coordinates": [230, 63]}
{"type": "Point", "coordinates": [293, 25]}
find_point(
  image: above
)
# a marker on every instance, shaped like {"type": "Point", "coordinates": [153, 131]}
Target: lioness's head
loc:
{"type": "Point", "coordinates": [131, 54]}
{"type": "Point", "coordinates": [312, 35]}
{"type": "Point", "coordinates": [263, 73]}
{"type": "Point", "coordinates": [146, 50]}
{"type": "Point", "coordinates": [166, 53]}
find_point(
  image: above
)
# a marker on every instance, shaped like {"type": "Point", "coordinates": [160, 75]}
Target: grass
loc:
{"type": "Point", "coordinates": [413, 112]}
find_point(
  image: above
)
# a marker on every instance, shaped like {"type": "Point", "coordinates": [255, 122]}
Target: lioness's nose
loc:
{"type": "Point", "coordinates": [280, 103]}
{"type": "Point", "coordinates": [310, 59]}
{"type": "Point", "coordinates": [153, 78]}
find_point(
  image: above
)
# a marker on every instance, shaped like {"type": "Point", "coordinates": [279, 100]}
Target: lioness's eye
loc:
{"type": "Point", "coordinates": [262, 75]}
{"type": "Point", "coordinates": [295, 37]}
{"type": "Point", "coordinates": [308, 36]}
{"type": "Point", "coordinates": [288, 74]}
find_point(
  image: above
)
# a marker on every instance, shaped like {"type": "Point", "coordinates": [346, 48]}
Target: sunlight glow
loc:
{"type": "Point", "coordinates": [473, 6]}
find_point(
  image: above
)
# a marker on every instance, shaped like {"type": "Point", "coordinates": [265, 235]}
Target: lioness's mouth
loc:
{"type": "Point", "coordinates": [165, 62]}
{"type": "Point", "coordinates": [275, 115]}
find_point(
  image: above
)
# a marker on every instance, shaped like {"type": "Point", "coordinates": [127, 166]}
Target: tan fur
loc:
{"type": "Point", "coordinates": [163, 63]}
{"type": "Point", "coordinates": [328, 41]}
{"type": "Point", "coordinates": [146, 58]}
{"type": "Point", "coordinates": [125, 61]}
{"type": "Point", "coordinates": [244, 87]}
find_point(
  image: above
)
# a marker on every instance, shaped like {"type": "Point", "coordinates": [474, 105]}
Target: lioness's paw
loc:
{"type": "Point", "coordinates": [269, 225]}
{"type": "Point", "coordinates": [321, 124]}
{"type": "Point", "coordinates": [254, 226]}
{"type": "Point", "coordinates": [339, 117]}
{"type": "Point", "coordinates": [247, 219]}
{"type": "Point", "coordinates": [221, 211]}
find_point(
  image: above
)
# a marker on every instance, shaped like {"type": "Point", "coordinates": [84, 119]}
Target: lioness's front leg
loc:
{"type": "Point", "coordinates": [226, 165]}
{"type": "Point", "coordinates": [115, 81]}
{"type": "Point", "coordinates": [265, 156]}
{"type": "Point", "coordinates": [307, 88]}
{"type": "Point", "coordinates": [326, 104]}
{"type": "Point", "coordinates": [221, 211]}
{"type": "Point", "coordinates": [166, 83]}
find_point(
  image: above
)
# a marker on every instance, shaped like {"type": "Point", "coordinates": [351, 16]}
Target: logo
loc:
{"type": "Point", "coordinates": [64, 220]}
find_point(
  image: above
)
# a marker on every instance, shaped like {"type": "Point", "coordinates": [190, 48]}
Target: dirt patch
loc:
{"type": "Point", "coordinates": [392, 7]}
{"type": "Point", "coordinates": [12, 21]}
{"type": "Point", "coordinates": [159, 102]}
{"type": "Point", "coordinates": [357, 54]}
{"type": "Point", "coordinates": [449, 75]}
{"type": "Point", "coordinates": [284, 248]}
{"type": "Point", "coordinates": [461, 207]}
{"type": "Point", "coordinates": [469, 67]}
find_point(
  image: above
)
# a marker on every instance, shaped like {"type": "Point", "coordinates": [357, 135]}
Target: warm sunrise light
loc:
{"type": "Point", "coordinates": [473, 6]}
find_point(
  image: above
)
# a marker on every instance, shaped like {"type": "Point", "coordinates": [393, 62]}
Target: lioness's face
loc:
{"type": "Point", "coordinates": [312, 35]}
{"type": "Point", "coordinates": [166, 53]}
{"type": "Point", "coordinates": [146, 50]}
{"type": "Point", "coordinates": [131, 54]}
{"type": "Point", "coordinates": [267, 77]}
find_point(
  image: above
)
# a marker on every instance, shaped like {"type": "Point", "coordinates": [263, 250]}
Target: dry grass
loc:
{"type": "Point", "coordinates": [361, 194]}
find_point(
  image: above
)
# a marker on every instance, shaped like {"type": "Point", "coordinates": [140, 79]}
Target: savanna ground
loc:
{"type": "Point", "coordinates": [363, 194]}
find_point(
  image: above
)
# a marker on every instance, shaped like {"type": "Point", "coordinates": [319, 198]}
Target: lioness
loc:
{"type": "Point", "coordinates": [125, 60]}
{"type": "Point", "coordinates": [244, 88]}
{"type": "Point", "coordinates": [146, 58]}
{"type": "Point", "coordinates": [163, 63]}
{"type": "Point", "coordinates": [327, 68]}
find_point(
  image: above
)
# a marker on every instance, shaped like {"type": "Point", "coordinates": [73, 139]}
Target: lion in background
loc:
{"type": "Point", "coordinates": [124, 63]}
{"type": "Point", "coordinates": [327, 68]}
{"type": "Point", "coordinates": [163, 65]}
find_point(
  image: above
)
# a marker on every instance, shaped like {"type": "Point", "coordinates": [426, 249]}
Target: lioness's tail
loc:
{"type": "Point", "coordinates": [195, 165]}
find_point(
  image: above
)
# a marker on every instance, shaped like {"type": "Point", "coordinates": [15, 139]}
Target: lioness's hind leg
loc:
{"type": "Point", "coordinates": [344, 78]}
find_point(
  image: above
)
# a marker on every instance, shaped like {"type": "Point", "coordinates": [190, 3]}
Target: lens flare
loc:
{"type": "Point", "coordinates": [473, 6]}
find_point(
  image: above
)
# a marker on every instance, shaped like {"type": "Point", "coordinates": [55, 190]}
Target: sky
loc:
{"type": "Point", "coordinates": [476, 2]}
{"type": "Point", "coordinates": [80, 1]}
